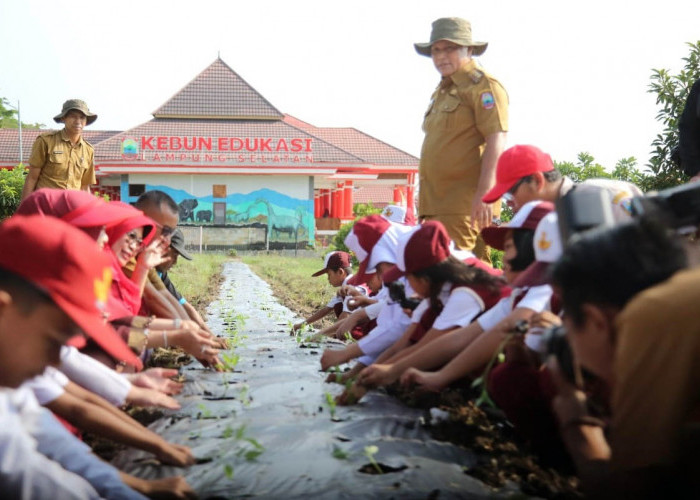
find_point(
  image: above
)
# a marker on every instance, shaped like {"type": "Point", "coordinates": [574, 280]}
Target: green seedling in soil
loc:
{"type": "Point", "coordinates": [228, 432]}
{"type": "Point", "coordinates": [349, 338]}
{"type": "Point", "coordinates": [370, 451]}
{"type": "Point", "coordinates": [244, 397]}
{"type": "Point", "coordinates": [230, 361]}
{"type": "Point", "coordinates": [484, 398]}
{"type": "Point", "coordinates": [330, 401]}
{"type": "Point", "coordinates": [194, 435]}
{"type": "Point", "coordinates": [204, 412]}
{"type": "Point", "coordinates": [339, 453]}
{"type": "Point", "coordinates": [228, 471]}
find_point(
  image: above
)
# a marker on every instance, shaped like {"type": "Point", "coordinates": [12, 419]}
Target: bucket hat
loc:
{"type": "Point", "coordinates": [453, 29]}
{"type": "Point", "coordinates": [75, 104]}
{"type": "Point", "coordinates": [178, 243]}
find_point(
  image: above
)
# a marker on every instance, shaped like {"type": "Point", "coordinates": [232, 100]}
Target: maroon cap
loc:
{"type": "Point", "coordinates": [427, 245]}
{"type": "Point", "coordinates": [79, 208]}
{"type": "Point", "coordinates": [365, 233]}
{"type": "Point", "coordinates": [514, 164]}
{"type": "Point", "coordinates": [334, 260]}
{"type": "Point", "coordinates": [526, 218]}
{"type": "Point", "coordinates": [67, 264]}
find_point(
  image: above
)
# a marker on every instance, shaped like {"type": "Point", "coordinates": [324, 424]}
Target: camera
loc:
{"type": "Point", "coordinates": [557, 345]}
{"type": "Point", "coordinates": [397, 292]}
{"type": "Point", "coordinates": [677, 207]}
{"type": "Point", "coordinates": [582, 209]}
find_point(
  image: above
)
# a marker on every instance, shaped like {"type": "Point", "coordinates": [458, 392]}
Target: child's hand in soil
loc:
{"type": "Point", "coordinates": [332, 357]}
{"type": "Point", "coordinates": [351, 395]}
{"type": "Point", "coordinates": [376, 375]}
{"type": "Point", "coordinates": [430, 381]}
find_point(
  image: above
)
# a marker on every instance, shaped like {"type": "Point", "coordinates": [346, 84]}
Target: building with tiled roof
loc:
{"type": "Point", "coordinates": [232, 160]}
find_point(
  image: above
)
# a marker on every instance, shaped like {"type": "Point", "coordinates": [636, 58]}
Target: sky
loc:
{"type": "Point", "coordinates": [576, 72]}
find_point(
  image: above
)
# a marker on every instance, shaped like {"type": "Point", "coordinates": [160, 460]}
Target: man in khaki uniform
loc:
{"type": "Point", "coordinates": [63, 159]}
{"type": "Point", "coordinates": [465, 131]}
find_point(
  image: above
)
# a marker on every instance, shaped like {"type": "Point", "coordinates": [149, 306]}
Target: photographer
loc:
{"type": "Point", "coordinates": [635, 328]}
{"type": "Point", "coordinates": [689, 134]}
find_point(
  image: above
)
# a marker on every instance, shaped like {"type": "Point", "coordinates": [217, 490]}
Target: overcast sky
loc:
{"type": "Point", "coordinates": [576, 72]}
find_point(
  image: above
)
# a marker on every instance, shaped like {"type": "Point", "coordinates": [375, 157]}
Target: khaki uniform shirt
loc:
{"type": "Point", "coordinates": [62, 165]}
{"type": "Point", "coordinates": [465, 108]}
{"type": "Point", "coordinates": [657, 374]}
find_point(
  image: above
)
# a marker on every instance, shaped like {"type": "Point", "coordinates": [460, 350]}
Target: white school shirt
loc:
{"type": "Point", "coordinates": [39, 458]}
{"type": "Point", "coordinates": [94, 376]}
{"type": "Point", "coordinates": [460, 306]}
{"type": "Point", "coordinates": [337, 299]}
{"type": "Point", "coordinates": [391, 324]}
{"type": "Point", "coordinates": [536, 298]}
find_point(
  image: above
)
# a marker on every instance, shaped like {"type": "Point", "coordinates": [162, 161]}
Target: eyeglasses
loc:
{"type": "Point", "coordinates": [435, 51]}
{"type": "Point", "coordinates": [133, 238]}
{"type": "Point", "coordinates": [515, 187]}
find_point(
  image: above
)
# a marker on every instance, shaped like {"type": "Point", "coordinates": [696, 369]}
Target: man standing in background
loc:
{"type": "Point", "coordinates": [465, 131]}
{"type": "Point", "coordinates": [63, 159]}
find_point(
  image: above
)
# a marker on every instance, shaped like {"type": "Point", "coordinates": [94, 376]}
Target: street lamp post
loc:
{"type": "Point", "coordinates": [19, 123]}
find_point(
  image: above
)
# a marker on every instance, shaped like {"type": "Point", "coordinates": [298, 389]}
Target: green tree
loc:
{"type": "Point", "coordinates": [671, 93]}
{"type": "Point", "coordinates": [8, 117]}
{"type": "Point", "coordinates": [11, 184]}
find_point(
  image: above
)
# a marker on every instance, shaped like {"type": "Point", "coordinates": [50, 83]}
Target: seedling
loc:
{"type": "Point", "coordinates": [204, 412]}
{"type": "Point", "coordinates": [228, 432]}
{"type": "Point", "coordinates": [330, 401]}
{"type": "Point", "coordinates": [339, 453]}
{"type": "Point", "coordinates": [230, 361]}
{"type": "Point", "coordinates": [499, 356]}
{"type": "Point", "coordinates": [349, 338]}
{"type": "Point", "coordinates": [244, 397]}
{"type": "Point", "coordinates": [228, 470]}
{"type": "Point", "coordinates": [370, 451]}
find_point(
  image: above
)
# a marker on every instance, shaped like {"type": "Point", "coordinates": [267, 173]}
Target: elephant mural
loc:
{"type": "Point", "coordinates": [186, 209]}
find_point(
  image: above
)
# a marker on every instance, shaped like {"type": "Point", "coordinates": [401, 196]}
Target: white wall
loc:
{"type": "Point", "coordinates": [296, 186]}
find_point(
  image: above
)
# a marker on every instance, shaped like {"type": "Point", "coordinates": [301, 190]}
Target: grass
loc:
{"type": "Point", "coordinates": [198, 280]}
{"type": "Point", "coordinates": [291, 282]}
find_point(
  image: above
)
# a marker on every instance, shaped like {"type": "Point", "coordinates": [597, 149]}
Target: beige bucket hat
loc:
{"type": "Point", "coordinates": [75, 104]}
{"type": "Point", "coordinates": [453, 29]}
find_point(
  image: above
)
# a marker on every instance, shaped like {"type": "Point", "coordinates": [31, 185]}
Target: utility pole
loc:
{"type": "Point", "coordinates": [19, 121]}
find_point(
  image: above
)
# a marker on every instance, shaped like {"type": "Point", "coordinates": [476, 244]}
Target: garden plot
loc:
{"type": "Point", "coordinates": [268, 428]}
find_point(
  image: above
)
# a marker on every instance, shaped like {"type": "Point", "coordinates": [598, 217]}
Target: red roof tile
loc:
{"type": "Point", "coordinates": [9, 142]}
{"type": "Point", "coordinates": [218, 92]}
{"type": "Point", "coordinates": [379, 196]}
{"type": "Point", "coordinates": [110, 150]}
{"type": "Point", "coordinates": [358, 143]}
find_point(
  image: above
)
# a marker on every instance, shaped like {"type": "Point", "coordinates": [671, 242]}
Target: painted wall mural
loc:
{"type": "Point", "coordinates": [289, 222]}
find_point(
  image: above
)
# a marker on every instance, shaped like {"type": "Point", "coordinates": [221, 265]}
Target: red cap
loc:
{"type": "Point", "coordinates": [68, 265]}
{"type": "Point", "coordinates": [334, 260]}
{"type": "Point", "coordinates": [427, 245]}
{"type": "Point", "coordinates": [365, 233]}
{"type": "Point", "coordinates": [514, 164]}
{"type": "Point", "coordinates": [526, 218]}
{"type": "Point", "coordinates": [79, 208]}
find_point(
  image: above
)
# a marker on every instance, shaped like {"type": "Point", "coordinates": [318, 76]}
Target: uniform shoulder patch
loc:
{"type": "Point", "coordinates": [476, 75]}
{"type": "Point", "coordinates": [487, 100]}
